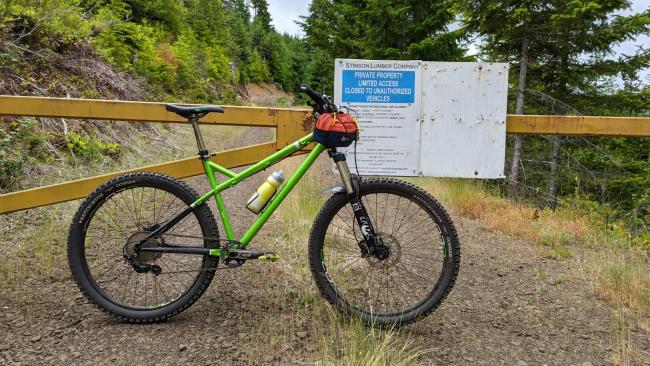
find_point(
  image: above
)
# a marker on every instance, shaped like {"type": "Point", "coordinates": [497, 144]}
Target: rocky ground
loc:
{"type": "Point", "coordinates": [500, 312]}
{"type": "Point", "coordinates": [510, 306]}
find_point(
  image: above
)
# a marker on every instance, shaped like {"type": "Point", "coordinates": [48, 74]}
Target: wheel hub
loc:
{"type": "Point", "coordinates": [388, 254]}
{"type": "Point", "coordinates": [141, 257]}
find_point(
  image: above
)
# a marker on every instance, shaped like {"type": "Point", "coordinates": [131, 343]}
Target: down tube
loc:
{"type": "Point", "coordinates": [264, 216]}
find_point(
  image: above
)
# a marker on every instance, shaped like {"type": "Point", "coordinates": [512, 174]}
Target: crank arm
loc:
{"type": "Point", "coordinates": [243, 254]}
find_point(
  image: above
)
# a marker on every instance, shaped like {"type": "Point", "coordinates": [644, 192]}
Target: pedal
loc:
{"type": "Point", "coordinates": [269, 257]}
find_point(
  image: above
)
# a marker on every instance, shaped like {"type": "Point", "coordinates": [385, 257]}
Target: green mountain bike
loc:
{"type": "Point", "coordinates": [144, 247]}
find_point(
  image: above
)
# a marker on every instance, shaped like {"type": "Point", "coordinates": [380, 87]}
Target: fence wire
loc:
{"type": "Point", "coordinates": [589, 171]}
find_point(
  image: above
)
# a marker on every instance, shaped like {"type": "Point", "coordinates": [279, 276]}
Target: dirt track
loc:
{"type": "Point", "coordinates": [510, 306]}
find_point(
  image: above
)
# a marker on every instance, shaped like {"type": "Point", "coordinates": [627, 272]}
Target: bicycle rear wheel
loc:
{"type": "Point", "coordinates": [420, 270]}
{"type": "Point", "coordinates": [149, 286]}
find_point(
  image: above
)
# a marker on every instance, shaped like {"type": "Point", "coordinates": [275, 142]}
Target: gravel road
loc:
{"type": "Point", "coordinates": [510, 306]}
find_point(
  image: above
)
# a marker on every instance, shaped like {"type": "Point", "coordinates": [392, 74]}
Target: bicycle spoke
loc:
{"type": "Point", "coordinates": [117, 226]}
{"type": "Point", "coordinates": [395, 284]}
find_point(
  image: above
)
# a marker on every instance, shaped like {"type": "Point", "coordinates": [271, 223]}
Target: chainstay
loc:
{"type": "Point", "coordinates": [198, 237]}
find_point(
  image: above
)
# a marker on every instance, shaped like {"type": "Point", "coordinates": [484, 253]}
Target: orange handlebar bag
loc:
{"type": "Point", "coordinates": [336, 129]}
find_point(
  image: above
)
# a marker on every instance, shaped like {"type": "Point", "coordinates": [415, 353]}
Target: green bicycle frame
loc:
{"type": "Point", "coordinates": [235, 178]}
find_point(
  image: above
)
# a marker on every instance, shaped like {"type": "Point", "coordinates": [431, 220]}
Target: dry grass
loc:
{"type": "Point", "coordinates": [623, 277]}
{"type": "Point", "coordinates": [623, 356]}
{"type": "Point", "coordinates": [34, 247]}
{"type": "Point", "coordinates": [334, 341]}
{"type": "Point", "coordinates": [34, 241]}
{"type": "Point", "coordinates": [349, 342]}
{"type": "Point", "coordinates": [618, 270]}
{"type": "Point", "coordinates": [544, 227]}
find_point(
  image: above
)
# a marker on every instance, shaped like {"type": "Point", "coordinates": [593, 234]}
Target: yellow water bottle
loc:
{"type": "Point", "coordinates": [261, 197]}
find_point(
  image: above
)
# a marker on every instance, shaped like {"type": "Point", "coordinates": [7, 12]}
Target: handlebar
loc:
{"type": "Point", "coordinates": [322, 104]}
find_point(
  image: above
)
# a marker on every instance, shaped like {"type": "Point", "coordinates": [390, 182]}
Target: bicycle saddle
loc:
{"type": "Point", "coordinates": [192, 110]}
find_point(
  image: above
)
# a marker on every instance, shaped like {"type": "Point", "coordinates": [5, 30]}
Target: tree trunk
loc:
{"type": "Point", "coordinates": [555, 155]}
{"type": "Point", "coordinates": [513, 177]}
{"type": "Point", "coordinates": [552, 184]}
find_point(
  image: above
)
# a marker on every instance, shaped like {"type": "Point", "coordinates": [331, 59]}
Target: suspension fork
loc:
{"type": "Point", "coordinates": [370, 243]}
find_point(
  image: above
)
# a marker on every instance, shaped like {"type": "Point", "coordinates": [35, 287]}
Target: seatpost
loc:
{"type": "Point", "coordinates": [203, 152]}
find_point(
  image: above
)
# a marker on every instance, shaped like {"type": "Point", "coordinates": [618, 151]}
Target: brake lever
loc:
{"type": "Point", "coordinates": [333, 108]}
{"type": "Point", "coordinates": [313, 108]}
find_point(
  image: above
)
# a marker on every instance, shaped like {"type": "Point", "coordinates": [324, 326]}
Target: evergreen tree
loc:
{"type": "Point", "coordinates": [319, 71]}
{"type": "Point", "coordinates": [298, 59]}
{"type": "Point", "coordinates": [279, 59]}
{"type": "Point", "coordinates": [410, 29]}
{"type": "Point", "coordinates": [335, 27]}
{"type": "Point", "coordinates": [240, 42]}
{"type": "Point", "coordinates": [262, 15]}
{"type": "Point", "coordinates": [584, 36]}
{"type": "Point", "coordinates": [261, 28]}
{"type": "Point", "coordinates": [169, 13]}
{"type": "Point", "coordinates": [207, 19]}
{"type": "Point", "coordinates": [509, 30]}
{"type": "Point", "coordinates": [384, 29]}
{"type": "Point", "coordinates": [564, 45]}
{"type": "Point", "coordinates": [380, 29]}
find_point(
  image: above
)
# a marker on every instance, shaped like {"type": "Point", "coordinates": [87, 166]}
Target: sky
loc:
{"type": "Point", "coordinates": [285, 13]}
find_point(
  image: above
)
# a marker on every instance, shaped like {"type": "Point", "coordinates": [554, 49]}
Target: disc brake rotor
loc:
{"type": "Point", "coordinates": [141, 257]}
{"type": "Point", "coordinates": [394, 249]}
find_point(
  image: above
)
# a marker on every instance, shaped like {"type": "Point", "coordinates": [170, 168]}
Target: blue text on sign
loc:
{"type": "Point", "coordinates": [378, 86]}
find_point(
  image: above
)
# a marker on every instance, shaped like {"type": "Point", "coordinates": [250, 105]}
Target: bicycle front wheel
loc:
{"type": "Point", "coordinates": [420, 270]}
{"type": "Point", "coordinates": [149, 286]}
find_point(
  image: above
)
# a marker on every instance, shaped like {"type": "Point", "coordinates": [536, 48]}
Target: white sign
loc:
{"type": "Point", "coordinates": [385, 97]}
{"type": "Point", "coordinates": [443, 119]}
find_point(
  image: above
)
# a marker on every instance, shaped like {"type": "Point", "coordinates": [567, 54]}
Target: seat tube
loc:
{"type": "Point", "coordinates": [221, 207]}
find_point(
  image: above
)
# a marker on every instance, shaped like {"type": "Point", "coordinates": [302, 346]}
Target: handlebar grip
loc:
{"type": "Point", "coordinates": [309, 91]}
{"type": "Point", "coordinates": [315, 96]}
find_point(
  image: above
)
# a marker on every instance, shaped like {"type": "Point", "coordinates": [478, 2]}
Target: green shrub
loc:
{"type": "Point", "coordinates": [282, 102]}
{"type": "Point", "coordinates": [11, 172]}
{"type": "Point", "coordinates": [127, 45]}
{"type": "Point", "coordinates": [90, 149]}
{"type": "Point", "coordinates": [21, 144]}
{"type": "Point", "coordinates": [51, 22]}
